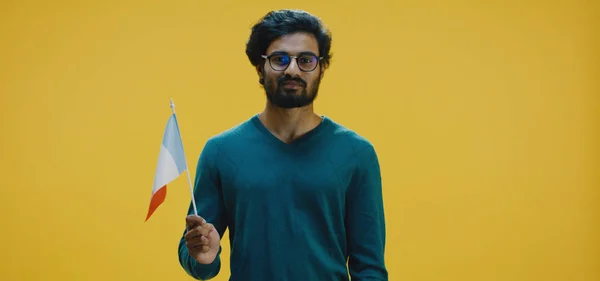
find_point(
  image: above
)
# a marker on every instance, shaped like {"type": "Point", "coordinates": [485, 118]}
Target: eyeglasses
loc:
{"type": "Point", "coordinates": [306, 62]}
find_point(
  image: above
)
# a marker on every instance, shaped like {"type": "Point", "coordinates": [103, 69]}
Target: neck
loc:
{"type": "Point", "coordinates": [289, 124]}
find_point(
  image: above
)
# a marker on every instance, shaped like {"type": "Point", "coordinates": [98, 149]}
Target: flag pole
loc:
{"type": "Point", "coordinates": [187, 171]}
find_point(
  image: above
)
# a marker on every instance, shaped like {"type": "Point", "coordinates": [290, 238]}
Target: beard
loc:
{"type": "Point", "coordinates": [291, 98]}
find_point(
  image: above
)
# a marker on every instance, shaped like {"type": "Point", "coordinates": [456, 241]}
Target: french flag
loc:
{"type": "Point", "coordinates": [171, 163]}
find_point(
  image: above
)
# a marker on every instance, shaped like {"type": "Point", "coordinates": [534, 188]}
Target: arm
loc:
{"type": "Point", "coordinates": [365, 220]}
{"type": "Point", "coordinates": [209, 202]}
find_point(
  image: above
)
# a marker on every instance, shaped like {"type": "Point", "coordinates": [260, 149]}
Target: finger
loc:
{"type": "Point", "coordinates": [195, 228]}
{"type": "Point", "coordinates": [199, 249]}
{"type": "Point", "coordinates": [196, 233]}
{"type": "Point", "coordinates": [193, 234]}
{"type": "Point", "coordinates": [204, 240]}
{"type": "Point", "coordinates": [194, 220]}
{"type": "Point", "coordinates": [205, 249]}
{"type": "Point", "coordinates": [209, 227]}
{"type": "Point", "coordinates": [212, 228]}
{"type": "Point", "coordinates": [203, 231]}
{"type": "Point", "coordinates": [197, 243]}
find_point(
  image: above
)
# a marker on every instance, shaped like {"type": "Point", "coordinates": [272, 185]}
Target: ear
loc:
{"type": "Point", "coordinates": [322, 72]}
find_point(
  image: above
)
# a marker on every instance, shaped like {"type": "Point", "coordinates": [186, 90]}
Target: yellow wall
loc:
{"type": "Point", "coordinates": [485, 117]}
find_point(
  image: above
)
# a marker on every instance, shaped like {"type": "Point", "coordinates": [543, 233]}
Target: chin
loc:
{"type": "Point", "coordinates": [291, 100]}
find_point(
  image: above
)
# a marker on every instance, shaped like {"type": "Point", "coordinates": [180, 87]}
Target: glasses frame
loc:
{"type": "Point", "coordinates": [268, 58]}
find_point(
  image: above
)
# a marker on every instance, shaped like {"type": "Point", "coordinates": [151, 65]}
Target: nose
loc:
{"type": "Point", "coordinates": [292, 69]}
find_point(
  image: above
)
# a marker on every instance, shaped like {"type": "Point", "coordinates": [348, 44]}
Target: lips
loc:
{"type": "Point", "coordinates": [291, 84]}
{"type": "Point", "coordinates": [288, 81]}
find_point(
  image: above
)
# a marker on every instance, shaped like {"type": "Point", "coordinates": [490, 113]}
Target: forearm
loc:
{"type": "Point", "coordinates": [365, 225]}
{"type": "Point", "coordinates": [366, 249]}
{"type": "Point", "coordinates": [193, 268]}
{"type": "Point", "coordinates": [207, 193]}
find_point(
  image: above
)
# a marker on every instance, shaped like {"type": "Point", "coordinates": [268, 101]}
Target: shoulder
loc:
{"type": "Point", "coordinates": [231, 140]}
{"type": "Point", "coordinates": [342, 136]}
{"type": "Point", "coordinates": [233, 135]}
{"type": "Point", "coordinates": [360, 151]}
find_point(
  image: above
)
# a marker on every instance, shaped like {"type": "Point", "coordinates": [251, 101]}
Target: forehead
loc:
{"type": "Point", "coordinates": [295, 43]}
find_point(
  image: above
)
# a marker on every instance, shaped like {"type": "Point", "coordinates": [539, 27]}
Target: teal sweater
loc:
{"type": "Point", "coordinates": [307, 211]}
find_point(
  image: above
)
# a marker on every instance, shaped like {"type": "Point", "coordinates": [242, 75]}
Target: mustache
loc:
{"type": "Point", "coordinates": [287, 78]}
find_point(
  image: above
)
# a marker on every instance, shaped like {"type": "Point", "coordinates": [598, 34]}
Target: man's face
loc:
{"type": "Point", "coordinates": [292, 87]}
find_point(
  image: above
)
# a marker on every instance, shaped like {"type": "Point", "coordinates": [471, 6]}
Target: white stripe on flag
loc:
{"type": "Point", "coordinates": [166, 170]}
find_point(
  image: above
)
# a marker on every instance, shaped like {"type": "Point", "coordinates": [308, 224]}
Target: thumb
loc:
{"type": "Point", "coordinates": [211, 228]}
{"type": "Point", "coordinates": [193, 221]}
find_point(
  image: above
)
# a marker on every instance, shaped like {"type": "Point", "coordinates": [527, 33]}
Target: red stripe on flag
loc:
{"type": "Point", "coordinates": [156, 200]}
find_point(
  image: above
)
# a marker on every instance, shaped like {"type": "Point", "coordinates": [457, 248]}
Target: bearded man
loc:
{"type": "Point", "coordinates": [300, 194]}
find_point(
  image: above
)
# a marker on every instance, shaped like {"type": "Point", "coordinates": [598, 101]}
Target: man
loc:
{"type": "Point", "coordinates": [300, 194]}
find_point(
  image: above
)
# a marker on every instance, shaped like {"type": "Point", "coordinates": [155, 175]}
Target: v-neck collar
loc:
{"type": "Point", "coordinates": [300, 141]}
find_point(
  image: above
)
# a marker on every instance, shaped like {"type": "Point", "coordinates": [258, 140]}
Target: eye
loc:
{"type": "Point", "coordinates": [280, 59]}
{"type": "Point", "coordinates": [306, 59]}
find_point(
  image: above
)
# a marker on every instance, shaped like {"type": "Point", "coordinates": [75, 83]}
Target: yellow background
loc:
{"type": "Point", "coordinates": [485, 117]}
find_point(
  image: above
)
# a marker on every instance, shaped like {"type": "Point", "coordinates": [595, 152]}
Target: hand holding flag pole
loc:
{"type": "Point", "coordinates": [171, 164]}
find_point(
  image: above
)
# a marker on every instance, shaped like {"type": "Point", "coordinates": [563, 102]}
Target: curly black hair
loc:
{"type": "Point", "coordinates": [282, 22]}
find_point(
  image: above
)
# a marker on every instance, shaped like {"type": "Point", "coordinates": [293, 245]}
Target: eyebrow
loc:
{"type": "Point", "coordinates": [276, 52]}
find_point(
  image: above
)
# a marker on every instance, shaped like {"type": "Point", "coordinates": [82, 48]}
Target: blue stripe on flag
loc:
{"type": "Point", "coordinates": [172, 142]}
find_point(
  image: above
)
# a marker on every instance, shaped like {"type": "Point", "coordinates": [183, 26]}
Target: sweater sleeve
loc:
{"type": "Point", "coordinates": [209, 202]}
{"type": "Point", "coordinates": [365, 220]}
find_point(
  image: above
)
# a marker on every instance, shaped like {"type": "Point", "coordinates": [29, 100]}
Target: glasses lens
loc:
{"type": "Point", "coordinates": [280, 62]}
{"type": "Point", "coordinates": [307, 62]}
